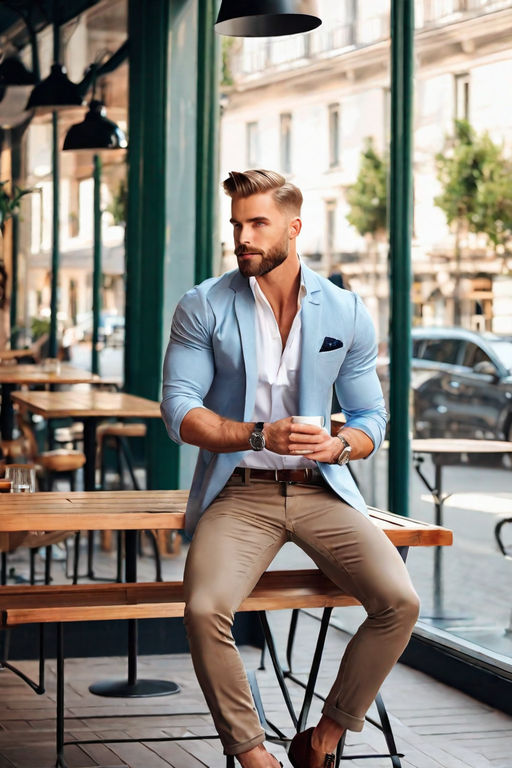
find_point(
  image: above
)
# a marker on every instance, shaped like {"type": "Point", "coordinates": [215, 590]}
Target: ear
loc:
{"type": "Point", "coordinates": [294, 228]}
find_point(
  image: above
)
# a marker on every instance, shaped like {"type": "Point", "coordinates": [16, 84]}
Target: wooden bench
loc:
{"type": "Point", "coordinates": [276, 590]}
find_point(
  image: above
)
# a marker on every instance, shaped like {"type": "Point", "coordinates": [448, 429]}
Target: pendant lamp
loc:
{"type": "Point", "coordinates": [13, 72]}
{"type": "Point", "coordinates": [55, 92]}
{"type": "Point", "coordinates": [266, 18]}
{"type": "Point", "coordinates": [96, 131]}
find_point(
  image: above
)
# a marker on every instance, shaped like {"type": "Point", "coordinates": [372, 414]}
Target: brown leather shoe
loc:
{"type": "Point", "coordinates": [301, 752]}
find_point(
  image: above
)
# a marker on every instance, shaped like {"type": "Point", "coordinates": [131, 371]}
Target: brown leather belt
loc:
{"type": "Point", "coordinates": [301, 476]}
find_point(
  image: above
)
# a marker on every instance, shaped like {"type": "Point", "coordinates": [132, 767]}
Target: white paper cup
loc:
{"type": "Point", "coordinates": [316, 421]}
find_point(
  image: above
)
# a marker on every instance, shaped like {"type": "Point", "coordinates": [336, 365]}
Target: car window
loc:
{"type": "Point", "coordinates": [441, 350]}
{"type": "Point", "coordinates": [416, 347]}
{"type": "Point", "coordinates": [474, 354]}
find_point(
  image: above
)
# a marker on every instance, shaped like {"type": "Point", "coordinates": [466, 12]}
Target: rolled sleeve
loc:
{"type": "Point", "coordinates": [188, 366]}
{"type": "Point", "coordinates": [357, 386]}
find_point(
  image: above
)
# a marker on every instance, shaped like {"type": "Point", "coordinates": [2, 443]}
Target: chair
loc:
{"type": "Point", "coordinates": [118, 433]}
{"type": "Point", "coordinates": [61, 462]}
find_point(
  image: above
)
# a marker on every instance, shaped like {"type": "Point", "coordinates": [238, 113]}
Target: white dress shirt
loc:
{"type": "Point", "coordinates": [277, 394]}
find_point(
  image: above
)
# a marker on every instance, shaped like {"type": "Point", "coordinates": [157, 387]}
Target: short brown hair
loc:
{"type": "Point", "coordinates": [258, 181]}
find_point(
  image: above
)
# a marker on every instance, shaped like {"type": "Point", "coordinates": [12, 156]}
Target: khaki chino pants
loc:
{"type": "Point", "coordinates": [236, 539]}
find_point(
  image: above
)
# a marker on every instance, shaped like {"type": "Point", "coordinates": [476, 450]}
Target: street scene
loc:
{"type": "Point", "coordinates": [242, 245]}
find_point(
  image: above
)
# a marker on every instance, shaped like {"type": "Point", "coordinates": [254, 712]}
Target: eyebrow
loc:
{"type": "Point", "coordinates": [254, 218]}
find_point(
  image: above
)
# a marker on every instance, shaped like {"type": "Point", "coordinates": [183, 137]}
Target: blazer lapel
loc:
{"type": "Point", "coordinates": [311, 310]}
{"type": "Point", "coordinates": [244, 310]}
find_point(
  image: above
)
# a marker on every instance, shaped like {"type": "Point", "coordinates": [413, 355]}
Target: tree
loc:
{"type": "Point", "coordinates": [367, 198]}
{"type": "Point", "coordinates": [476, 196]}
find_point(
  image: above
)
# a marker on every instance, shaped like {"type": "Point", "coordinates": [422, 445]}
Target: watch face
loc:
{"type": "Point", "coordinates": [345, 455]}
{"type": "Point", "coordinates": [257, 441]}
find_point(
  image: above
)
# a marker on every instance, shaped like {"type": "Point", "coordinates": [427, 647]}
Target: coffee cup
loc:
{"type": "Point", "coordinates": [316, 421]}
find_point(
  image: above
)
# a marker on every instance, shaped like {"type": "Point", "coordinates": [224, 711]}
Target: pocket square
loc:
{"type": "Point", "coordinates": [330, 343]}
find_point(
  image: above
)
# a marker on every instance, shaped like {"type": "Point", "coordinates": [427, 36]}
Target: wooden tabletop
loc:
{"type": "Point", "coordinates": [36, 374]}
{"type": "Point", "coordinates": [139, 510]}
{"type": "Point", "coordinates": [55, 405]}
{"type": "Point", "coordinates": [13, 354]}
{"type": "Point", "coordinates": [459, 445]}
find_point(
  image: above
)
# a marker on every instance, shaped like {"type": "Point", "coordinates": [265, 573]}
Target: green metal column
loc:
{"type": "Point", "coordinates": [97, 273]}
{"type": "Point", "coordinates": [54, 299]}
{"type": "Point", "coordinates": [16, 177]}
{"type": "Point", "coordinates": [171, 67]}
{"type": "Point", "coordinates": [400, 220]}
{"type": "Point", "coordinates": [207, 169]}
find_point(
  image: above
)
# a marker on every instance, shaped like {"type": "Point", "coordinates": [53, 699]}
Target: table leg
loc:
{"type": "Point", "coordinates": [132, 687]}
{"type": "Point", "coordinates": [7, 413]}
{"type": "Point", "coordinates": [90, 481]}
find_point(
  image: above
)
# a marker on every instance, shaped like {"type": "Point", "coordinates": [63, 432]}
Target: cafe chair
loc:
{"type": "Point", "coordinates": [116, 434]}
{"type": "Point", "coordinates": [58, 463]}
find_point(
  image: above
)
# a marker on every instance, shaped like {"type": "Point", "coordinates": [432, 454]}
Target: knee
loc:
{"type": "Point", "coordinates": [399, 610]}
{"type": "Point", "coordinates": [406, 608]}
{"type": "Point", "coordinates": [204, 612]}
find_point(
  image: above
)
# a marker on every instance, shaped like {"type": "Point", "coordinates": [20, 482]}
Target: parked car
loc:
{"type": "Point", "coordinates": [462, 384]}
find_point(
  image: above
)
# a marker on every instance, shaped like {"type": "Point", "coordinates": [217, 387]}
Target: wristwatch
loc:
{"type": "Point", "coordinates": [257, 438]}
{"type": "Point", "coordinates": [344, 456]}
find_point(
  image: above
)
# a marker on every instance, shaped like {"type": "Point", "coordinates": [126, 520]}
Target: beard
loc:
{"type": "Point", "coordinates": [269, 259]}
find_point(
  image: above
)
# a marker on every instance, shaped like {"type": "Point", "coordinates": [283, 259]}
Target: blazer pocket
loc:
{"type": "Point", "coordinates": [329, 344]}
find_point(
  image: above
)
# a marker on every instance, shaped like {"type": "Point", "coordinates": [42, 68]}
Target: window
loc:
{"type": "Point", "coordinates": [441, 351]}
{"type": "Point", "coordinates": [462, 97]}
{"type": "Point", "coordinates": [330, 240]}
{"type": "Point", "coordinates": [474, 355]}
{"type": "Point", "coordinates": [334, 135]}
{"type": "Point", "coordinates": [253, 144]}
{"type": "Point", "coordinates": [286, 143]}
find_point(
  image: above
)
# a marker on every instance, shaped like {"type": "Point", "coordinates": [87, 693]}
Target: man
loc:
{"type": "Point", "coordinates": [248, 351]}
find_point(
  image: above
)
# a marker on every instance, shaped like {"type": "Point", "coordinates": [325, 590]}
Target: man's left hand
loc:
{"type": "Point", "coordinates": [318, 445]}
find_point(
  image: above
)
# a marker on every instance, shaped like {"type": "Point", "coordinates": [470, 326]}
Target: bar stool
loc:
{"type": "Point", "coordinates": [117, 433]}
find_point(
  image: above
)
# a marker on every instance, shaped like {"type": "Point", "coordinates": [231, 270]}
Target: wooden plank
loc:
{"type": "Point", "coordinates": [36, 374]}
{"type": "Point", "coordinates": [87, 404]}
{"type": "Point", "coordinates": [276, 590]}
{"type": "Point", "coordinates": [131, 510]}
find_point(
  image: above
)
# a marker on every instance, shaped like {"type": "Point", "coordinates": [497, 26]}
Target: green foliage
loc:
{"type": "Point", "coordinates": [38, 327]}
{"type": "Point", "coordinates": [10, 204]}
{"type": "Point", "coordinates": [367, 198]}
{"type": "Point", "coordinates": [227, 50]}
{"type": "Point", "coordinates": [119, 205]}
{"type": "Point", "coordinates": [476, 181]}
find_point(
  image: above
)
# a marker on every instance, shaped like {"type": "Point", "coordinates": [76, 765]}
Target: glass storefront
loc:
{"type": "Point", "coordinates": [322, 117]}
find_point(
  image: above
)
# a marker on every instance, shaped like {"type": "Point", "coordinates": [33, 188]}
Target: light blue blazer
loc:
{"type": "Point", "coordinates": [211, 362]}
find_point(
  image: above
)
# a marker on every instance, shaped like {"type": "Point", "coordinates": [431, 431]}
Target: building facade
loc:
{"type": "Point", "coordinates": [305, 106]}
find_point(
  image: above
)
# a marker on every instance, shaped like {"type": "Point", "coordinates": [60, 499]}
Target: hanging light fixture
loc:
{"type": "Point", "coordinates": [96, 131]}
{"type": "Point", "coordinates": [14, 73]}
{"type": "Point", "coordinates": [56, 91]}
{"type": "Point", "coordinates": [267, 18]}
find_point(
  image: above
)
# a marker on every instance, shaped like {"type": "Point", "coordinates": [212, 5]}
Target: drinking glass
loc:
{"type": "Point", "coordinates": [22, 477]}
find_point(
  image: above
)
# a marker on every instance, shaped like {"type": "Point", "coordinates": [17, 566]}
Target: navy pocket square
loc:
{"type": "Point", "coordinates": [330, 343]}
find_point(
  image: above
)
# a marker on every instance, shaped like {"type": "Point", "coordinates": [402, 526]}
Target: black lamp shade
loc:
{"type": "Point", "coordinates": [266, 18]}
{"type": "Point", "coordinates": [95, 132]}
{"type": "Point", "coordinates": [55, 92]}
{"type": "Point", "coordinates": [14, 72]}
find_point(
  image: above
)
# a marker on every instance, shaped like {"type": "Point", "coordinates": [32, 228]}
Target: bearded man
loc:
{"type": "Point", "coordinates": [248, 351]}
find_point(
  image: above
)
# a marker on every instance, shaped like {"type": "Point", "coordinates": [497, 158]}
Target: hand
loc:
{"type": "Point", "coordinates": [290, 439]}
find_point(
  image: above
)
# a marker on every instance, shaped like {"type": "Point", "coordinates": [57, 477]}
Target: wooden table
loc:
{"type": "Point", "coordinates": [441, 449]}
{"type": "Point", "coordinates": [12, 376]}
{"type": "Point", "coordinates": [88, 407]}
{"type": "Point", "coordinates": [135, 510]}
